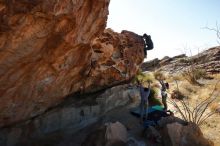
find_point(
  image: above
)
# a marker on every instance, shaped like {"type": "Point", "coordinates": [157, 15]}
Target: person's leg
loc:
{"type": "Point", "coordinates": [141, 110]}
{"type": "Point", "coordinates": [164, 101]}
{"type": "Point", "coordinates": [146, 108]}
{"type": "Point", "coordinates": [145, 51]}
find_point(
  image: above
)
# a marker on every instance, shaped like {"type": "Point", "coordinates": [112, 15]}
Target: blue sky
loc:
{"type": "Point", "coordinates": [176, 26]}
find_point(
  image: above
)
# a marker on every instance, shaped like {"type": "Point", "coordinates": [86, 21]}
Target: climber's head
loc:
{"type": "Point", "coordinates": [145, 35]}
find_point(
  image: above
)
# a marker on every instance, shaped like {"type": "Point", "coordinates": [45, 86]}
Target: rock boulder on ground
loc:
{"type": "Point", "coordinates": [189, 135]}
{"type": "Point", "coordinates": [112, 134]}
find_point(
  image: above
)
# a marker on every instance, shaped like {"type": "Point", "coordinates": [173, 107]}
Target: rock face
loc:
{"type": "Point", "coordinates": [52, 48]}
{"type": "Point", "coordinates": [208, 60]}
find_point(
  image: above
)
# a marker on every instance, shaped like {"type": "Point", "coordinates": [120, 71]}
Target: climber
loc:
{"type": "Point", "coordinates": [148, 44]}
{"type": "Point", "coordinates": [144, 92]}
{"type": "Point", "coordinates": [164, 87]}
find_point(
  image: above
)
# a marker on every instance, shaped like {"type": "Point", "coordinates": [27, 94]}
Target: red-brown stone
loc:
{"type": "Point", "coordinates": [49, 49]}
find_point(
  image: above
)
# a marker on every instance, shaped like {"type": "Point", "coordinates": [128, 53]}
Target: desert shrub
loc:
{"type": "Point", "coordinates": [176, 94]}
{"type": "Point", "coordinates": [192, 75]}
{"type": "Point", "coordinates": [148, 77]}
{"type": "Point", "coordinates": [199, 73]}
{"type": "Point", "coordinates": [158, 75]}
{"type": "Point", "coordinates": [138, 75]}
{"type": "Point", "coordinates": [152, 97]}
{"type": "Point", "coordinates": [155, 85]}
{"type": "Point", "coordinates": [183, 60]}
{"type": "Point", "coordinates": [176, 78]}
{"type": "Point", "coordinates": [143, 77]}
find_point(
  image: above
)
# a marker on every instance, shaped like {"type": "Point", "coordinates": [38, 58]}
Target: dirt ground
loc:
{"type": "Point", "coordinates": [211, 129]}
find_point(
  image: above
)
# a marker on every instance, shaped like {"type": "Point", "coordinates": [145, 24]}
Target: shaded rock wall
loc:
{"type": "Point", "coordinates": [66, 119]}
{"type": "Point", "coordinates": [51, 48]}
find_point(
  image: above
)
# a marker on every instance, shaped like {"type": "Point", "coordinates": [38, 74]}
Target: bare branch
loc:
{"type": "Point", "coordinates": [216, 30]}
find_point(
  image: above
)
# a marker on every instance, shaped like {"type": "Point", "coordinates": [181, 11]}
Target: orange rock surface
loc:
{"type": "Point", "coordinates": [52, 48]}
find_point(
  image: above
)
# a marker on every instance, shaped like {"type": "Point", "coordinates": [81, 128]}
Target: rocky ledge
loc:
{"type": "Point", "coordinates": [208, 60]}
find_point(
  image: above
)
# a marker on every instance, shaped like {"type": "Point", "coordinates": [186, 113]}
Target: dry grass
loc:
{"type": "Point", "coordinates": [211, 128]}
{"type": "Point", "coordinates": [202, 100]}
{"type": "Point", "coordinates": [214, 106]}
{"type": "Point", "coordinates": [199, 102]}
{"type": "Point", "coordinates": [198, 113]}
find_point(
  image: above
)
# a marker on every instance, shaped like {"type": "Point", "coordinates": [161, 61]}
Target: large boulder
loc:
{"type": "Point", "coordinates": [112, 134]}
{"type": "Point", "coordinates": [180, 135]}
{"type": "Point", "coordinates": [52, 48]}
{"type": "Point", "coordinates": [116, 57]}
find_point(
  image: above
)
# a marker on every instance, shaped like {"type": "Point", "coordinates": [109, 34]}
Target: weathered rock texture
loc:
{"type": "Point", "coordinates": [208, 60]}
{"type": "Point", "coordinates": [115, 58]}
{"type": "Point", "coordinates": [48, 50]}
